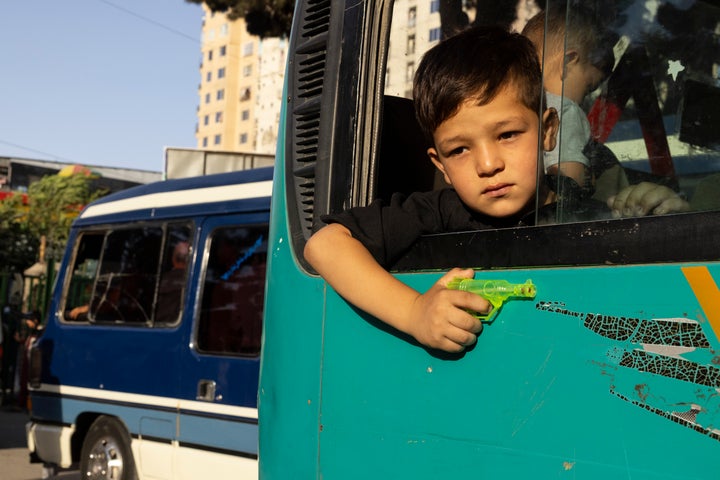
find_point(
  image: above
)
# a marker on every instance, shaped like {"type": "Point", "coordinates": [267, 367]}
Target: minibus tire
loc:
{"type": "Point", "coordinates": [106, 453]}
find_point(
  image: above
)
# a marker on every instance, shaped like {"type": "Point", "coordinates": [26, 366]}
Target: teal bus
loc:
{"type": "Point", "coordinates": [611, 371]}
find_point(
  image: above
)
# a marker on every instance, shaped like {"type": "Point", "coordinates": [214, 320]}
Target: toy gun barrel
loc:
{"type": "Point", "coordinates": [496, 292]}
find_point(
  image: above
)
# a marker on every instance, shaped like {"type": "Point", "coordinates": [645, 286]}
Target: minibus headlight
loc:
{"type": "Point", "coordinates": [35, 371]}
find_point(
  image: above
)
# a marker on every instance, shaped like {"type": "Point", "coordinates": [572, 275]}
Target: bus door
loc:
{"type": "Point", "coordinates": [219, 376]}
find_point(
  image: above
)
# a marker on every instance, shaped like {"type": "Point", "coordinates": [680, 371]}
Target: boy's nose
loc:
{"type": "Point", "coordinates": [488, 162]}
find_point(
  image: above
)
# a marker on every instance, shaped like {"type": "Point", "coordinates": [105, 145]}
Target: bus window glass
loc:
{"type": "Point", "coordinates": [119, 276]}
{"type": "Point", "coordinates": [79, 292]}
{"type": "Point", "coordinates": [638, 96]}
{"type": "Point", "coordinates": [173, 275]}
{"type": "Point", "coordinates": [233, 292]}
{"type": "Point", "coordinates": [652, 123]}
{"type": "Point", "coordinates": [125, 286]}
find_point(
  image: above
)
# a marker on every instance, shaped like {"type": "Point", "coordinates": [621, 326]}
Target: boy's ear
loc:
{"type": "Point", "coordinates": [432, 153]}
{"type": "Point", "coordinates": [550, 126]}
{"type": "Point", "coordinates": [572, 57]}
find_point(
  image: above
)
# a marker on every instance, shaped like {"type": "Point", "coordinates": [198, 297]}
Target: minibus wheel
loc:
{"type": "Point", "coordinates": [106, 453]}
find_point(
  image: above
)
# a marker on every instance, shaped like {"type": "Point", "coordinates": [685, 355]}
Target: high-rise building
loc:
{"type": "Point", "coordinates": [416, 28]}
{"type": "Point", "coordinates": [240, 90]}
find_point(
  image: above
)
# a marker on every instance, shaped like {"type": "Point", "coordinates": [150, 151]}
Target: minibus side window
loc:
{"type": "Point", "coordinates": [79, 292]}
{"type": "Point", "coordinates": [653, 122]}
{"type": "Point", "coordinates": [173, 274]}
{"type": "Point", "coordinates": [120, 275]}
{"type": "Point", "coordinates": [653, 118]}
{"type": "Point", "coordinates": [233, 292]}
{"type": "Point", "coordinates": [125, 286]}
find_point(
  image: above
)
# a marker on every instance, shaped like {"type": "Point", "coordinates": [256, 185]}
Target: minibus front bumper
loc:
{"type": "Point", "coordinates": [50, 443]}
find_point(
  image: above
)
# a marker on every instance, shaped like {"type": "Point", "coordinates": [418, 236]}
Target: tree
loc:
{"type": "Point", "coordinates": [18, 248]}
{"type": "Point", "coordinates": [264, 18]}
{"type": "Point", "coordinates": [53, 203]}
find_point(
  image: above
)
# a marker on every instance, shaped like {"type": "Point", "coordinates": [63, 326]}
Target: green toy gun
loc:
{"type": "Point", "coordinates": [496, 292]}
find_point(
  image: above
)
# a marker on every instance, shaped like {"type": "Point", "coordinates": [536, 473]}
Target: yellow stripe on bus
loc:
{"type": "Point", "coordinates": [707, 293]}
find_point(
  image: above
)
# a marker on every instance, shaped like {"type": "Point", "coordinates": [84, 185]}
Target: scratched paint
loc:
{"type": "Point", "coordinates": [663, 365]}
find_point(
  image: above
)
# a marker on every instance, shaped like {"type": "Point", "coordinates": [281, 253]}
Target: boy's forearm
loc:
{"type": "Point", "coordinates": [355, 275]}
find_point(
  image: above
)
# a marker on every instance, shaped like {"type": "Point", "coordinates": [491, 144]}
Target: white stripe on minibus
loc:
{"type": "Point", "coordinates": [168, 402]}
{"type": "Point", "coordinates": [177, 198]}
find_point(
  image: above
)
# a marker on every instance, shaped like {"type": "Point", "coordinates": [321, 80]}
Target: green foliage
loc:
{"type": "Point", "coordinates": [264, 18]}
{"type": "Point", "coordinates": [18, 248]}
{"type": "Point", "coordinates": [54, 202]}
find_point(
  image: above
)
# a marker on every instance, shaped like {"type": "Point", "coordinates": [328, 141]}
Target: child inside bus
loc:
{"type": "Point", "coordinates": [478, 95]}
{"type": "Point", "coordinates": [578, 55]}
{"type": "Point", "coordinates": [576, 60]}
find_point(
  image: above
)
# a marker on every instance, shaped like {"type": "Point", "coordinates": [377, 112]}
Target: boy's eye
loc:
{"type": "Point", "coordinates": [456, 151]}
{"type": "Point", "coordinates": [509, 135]}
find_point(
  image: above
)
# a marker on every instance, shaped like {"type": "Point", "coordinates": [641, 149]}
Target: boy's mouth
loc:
{"type": "Point", "coordinates": [497, 190]}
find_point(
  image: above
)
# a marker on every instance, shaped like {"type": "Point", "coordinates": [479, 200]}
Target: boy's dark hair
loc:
{"type": "Point", "coordinates": [477, 64]}
{"type": "Point", "coordinates": [588, 34]}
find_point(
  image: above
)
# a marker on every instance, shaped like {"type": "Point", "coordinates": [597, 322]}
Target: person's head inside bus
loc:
{"type": "Point", "coordinates": [479, 97]}
{"type": "Point", "coordinates": [576, 50]}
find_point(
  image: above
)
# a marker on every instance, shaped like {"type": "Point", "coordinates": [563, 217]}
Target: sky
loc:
{"type": "Point", "coordinates": [99, 82]}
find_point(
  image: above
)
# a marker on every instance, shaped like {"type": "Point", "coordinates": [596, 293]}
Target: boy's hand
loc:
{"type": "Point", "coordinates": [644, 199]}
{"type": "Point", "coordinates": [440, 318]}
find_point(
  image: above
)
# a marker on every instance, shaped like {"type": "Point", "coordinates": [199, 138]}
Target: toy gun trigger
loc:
{"type": "Point", "coordinates": [490, 316]}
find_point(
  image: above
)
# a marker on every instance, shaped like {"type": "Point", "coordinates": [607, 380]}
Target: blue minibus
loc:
{"type": "Point", "coordinates": [611, 372]}
{"type": "Point", "coordinates": [148, 363]}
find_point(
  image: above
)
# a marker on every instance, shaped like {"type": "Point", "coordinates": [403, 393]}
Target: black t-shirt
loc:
{"type": "Point", "coordinates": [389, 230]}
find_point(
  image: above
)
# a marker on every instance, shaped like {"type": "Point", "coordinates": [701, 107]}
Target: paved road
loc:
{"type": "Point", "coordinates": [14, 461]}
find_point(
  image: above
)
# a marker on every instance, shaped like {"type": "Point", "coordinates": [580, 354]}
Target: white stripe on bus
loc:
{"type": "Point", "coordinates": [177, 198]}
{"type": "Point", "coordinates": [167, 402]}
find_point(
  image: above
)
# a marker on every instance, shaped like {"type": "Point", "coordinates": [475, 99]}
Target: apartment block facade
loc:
{"type": "Point", "coordinates": [241, 79]}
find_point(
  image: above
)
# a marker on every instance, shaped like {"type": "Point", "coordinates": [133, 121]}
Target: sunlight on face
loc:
{"type": "Point", "coordinates": [488, 153]}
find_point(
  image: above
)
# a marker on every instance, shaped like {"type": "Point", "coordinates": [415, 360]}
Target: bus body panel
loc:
{"type": "Point", "coordinates": [611, 371]}
{"type": "Point", "coordinates": [291, 363]}
{"type": "Point", "coordinates": [570, 381]}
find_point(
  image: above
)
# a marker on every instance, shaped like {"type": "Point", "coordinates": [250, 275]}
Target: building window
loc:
{"type": "Point", "coordinates": [220, 94]}
{"type": "Point", "coordinates": [411, 44]}
{"type": "Point", "coordinates": [224, 30]}
{"type": "Point", "coordinates": [245, 115]}
{"type": "Point", "coordinates": [248, 49]}
{"type": "Point", "coordinates": [434, 6]}
{"type": "Point", "coordinates": [218, 117]}
{"type": "Point", "coordinates": [210, 55]}
{"type": "Point", "coordinates": [204, 142]}
{"type": "Point", "coordinates": [207, 98]}
{"type": "Point", "coordinates": [218, 139]}
{"type": "Point", "coordinates": [412, 15]}
{"type": "Point", "coordinates": [245, 95]}
{"type": "Point", "coordinates": [208, 77]}
{"type": "Point", "coordinates": [243, 138]}
{"type": "Point", "coordinates": [223, 51]}
{"type": "Point", "coordinates": [247, 70]}
{"type": "Point", "coordinates": [410, 71]}
{"type": "Point", "coordinates": [221, 72]}
{"type": "Point", "coordinates": [435, 34]}
{"type": "Point", "coordinates": [206, 119]}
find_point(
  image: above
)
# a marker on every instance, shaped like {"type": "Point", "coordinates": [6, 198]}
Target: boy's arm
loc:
{"type": "Point", "coordinates": [437, 318]}
{"type": "Point", "coordinates": [646, 198]}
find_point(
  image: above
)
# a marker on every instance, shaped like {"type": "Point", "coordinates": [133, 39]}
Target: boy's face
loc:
{"type": "Point", "coordinates": [489, 153]}
{"type": "Point", "coordinates": [581, 78]}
